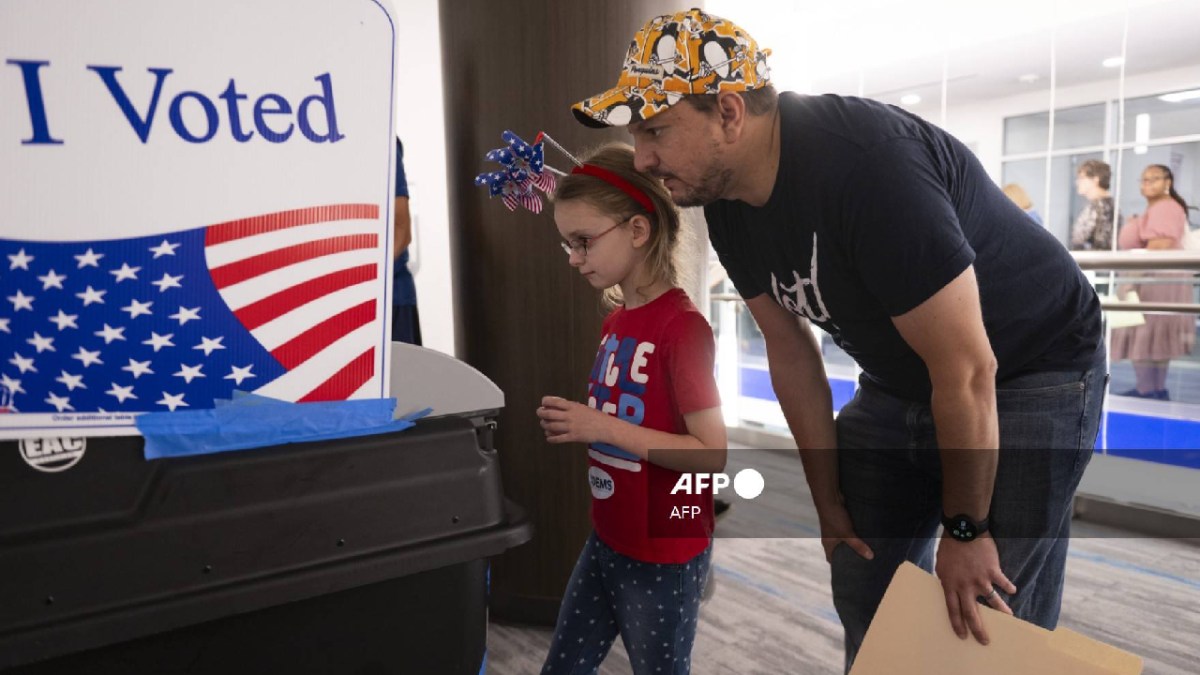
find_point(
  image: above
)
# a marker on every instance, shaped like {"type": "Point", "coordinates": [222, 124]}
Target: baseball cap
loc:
{"type": "Point", "coordinates": [672, 56]}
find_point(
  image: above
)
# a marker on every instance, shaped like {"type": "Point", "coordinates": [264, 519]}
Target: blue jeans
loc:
{"type": "Point", "coordinates": [653, 606]}
{"type": "Point", "coordinates": [891, 479]}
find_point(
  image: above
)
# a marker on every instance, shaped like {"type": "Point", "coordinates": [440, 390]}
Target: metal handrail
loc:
{"type": "Point", "coordinates": [1141, 259]}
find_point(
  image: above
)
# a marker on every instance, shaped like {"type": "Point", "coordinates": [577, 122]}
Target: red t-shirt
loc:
{"type": "Point", "coordinates": [654, 365]}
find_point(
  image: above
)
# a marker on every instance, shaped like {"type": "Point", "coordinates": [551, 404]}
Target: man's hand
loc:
{"type": "Point", "coordinates": [836, 528]}
{"type": "Point", "coordinates": [969, 570]}
{"type": "Point", "coordinates": [566, 421]}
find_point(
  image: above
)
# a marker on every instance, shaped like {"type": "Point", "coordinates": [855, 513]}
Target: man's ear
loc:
{"type": "Point", "coordinates": [732, 110]}
{"type": "Point", "coordinates": [639, 225]}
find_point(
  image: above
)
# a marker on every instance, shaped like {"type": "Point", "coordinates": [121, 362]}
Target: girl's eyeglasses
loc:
{"type": "Point", "coordinates": [582, 244]}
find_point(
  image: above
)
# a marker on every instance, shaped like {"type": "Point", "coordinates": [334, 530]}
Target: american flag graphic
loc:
{"type": "Point", "coordinates": [283, 304]}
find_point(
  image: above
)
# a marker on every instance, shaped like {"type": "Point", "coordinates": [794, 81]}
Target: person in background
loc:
{"type": "Point", "coordinates": [1163, 337]}
{"type": "Point", "coordinates": [1093, 228]}
{"type": "Point", "coordinates": [1017, 194]}
{"type": "Point", "coordinates": [406, 324]}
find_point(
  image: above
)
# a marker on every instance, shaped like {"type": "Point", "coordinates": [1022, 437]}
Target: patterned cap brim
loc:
{"type": "Point", "coordinates": [621, 106]}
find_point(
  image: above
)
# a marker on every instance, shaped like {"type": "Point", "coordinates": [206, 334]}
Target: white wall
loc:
{"type": "Point", "coordinates": [982, 125]}
{"type": "Point", "coordinates": [420, 123]}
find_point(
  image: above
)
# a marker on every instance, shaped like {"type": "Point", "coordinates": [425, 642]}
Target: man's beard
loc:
{"type": "Point", "coordinates": [709, 188]}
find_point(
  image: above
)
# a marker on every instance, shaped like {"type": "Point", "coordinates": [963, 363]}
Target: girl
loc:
{"type": "Point", "coordinates": [653, 412]}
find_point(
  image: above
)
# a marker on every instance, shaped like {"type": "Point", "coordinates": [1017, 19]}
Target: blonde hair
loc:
{"type": "Point", "coordinates": [1018, 195]}
{"type": "Point", "coordinates": [607, 198]}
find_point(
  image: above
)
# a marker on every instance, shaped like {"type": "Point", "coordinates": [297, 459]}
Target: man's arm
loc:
{"type": "Point", "coordinates": [403, 227]}
{"type": "Point", "coordinates": [947, 332]}
{"type": "Point", "coordinates": [798, 377]}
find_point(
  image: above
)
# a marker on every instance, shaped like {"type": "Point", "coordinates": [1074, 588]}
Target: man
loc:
{"type": "Point", "coordinates": [974, 328]}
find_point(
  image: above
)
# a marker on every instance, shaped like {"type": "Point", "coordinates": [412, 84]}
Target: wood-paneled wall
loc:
{"type": "Point", "coordinates": [523, 317]}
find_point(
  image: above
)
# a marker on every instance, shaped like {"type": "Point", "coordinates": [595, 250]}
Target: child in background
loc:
{"type": "Point", "coordinates": [651, 388]}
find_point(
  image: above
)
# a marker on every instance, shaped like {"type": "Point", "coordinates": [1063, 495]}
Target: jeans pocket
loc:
{"type": "Point", "coordinates": [1044, 415]}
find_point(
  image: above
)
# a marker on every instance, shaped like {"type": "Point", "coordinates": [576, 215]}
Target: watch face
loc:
{"type": "Point", "coordinates": [962, 529]}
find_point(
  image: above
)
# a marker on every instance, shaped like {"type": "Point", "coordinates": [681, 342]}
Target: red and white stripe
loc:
{"type": "Point", "coordinates": [305, 284]}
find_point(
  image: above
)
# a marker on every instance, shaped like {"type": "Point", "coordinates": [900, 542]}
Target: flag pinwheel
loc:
{"type": "Point", "coordinates": [523, 169]}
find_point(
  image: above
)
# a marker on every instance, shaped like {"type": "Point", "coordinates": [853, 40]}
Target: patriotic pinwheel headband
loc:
{"type": "Point", "coordinates": [524, 168]}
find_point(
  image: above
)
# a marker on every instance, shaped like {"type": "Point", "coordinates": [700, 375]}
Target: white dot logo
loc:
{"type": "Point", "coordinates": [748, 483]}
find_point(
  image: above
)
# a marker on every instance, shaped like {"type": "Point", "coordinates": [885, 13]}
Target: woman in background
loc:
{"type": "Point", "coordinates": [1021, 198]}
{"type": "Point", "coordinates": [1164, 336]}
{"type": "Point", "coordinates": [1093, 226]}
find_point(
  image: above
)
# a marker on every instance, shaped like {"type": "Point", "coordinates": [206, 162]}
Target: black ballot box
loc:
{"type": "Point", "coordinates": [359, 555]}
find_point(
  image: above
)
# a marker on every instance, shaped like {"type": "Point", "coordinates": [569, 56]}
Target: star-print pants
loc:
{"type": "Point", "coordinates": [652, 605]}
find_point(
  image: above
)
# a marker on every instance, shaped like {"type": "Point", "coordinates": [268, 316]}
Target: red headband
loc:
{"type": "Point", "coordinates": [617, 182]}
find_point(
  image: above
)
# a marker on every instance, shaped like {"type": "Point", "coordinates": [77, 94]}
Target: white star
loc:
{"type": "Point", "coordinates": [239, 374]}
{"type": "Point", "coordinates": [19, 260]}
{"type": "Point", "coordinates": [210, 346]}
{"type": "Point", "coordinates": [87, 358]}
{"type": "Point", "coordinates": [136, 308]}
{"type": "Point", "coordinates": [172, 401]}
{"type": "Point", "coordinates": [64, 320]}
{"type": "Point", "coordinates": [89, 259]}
{"type": "Point", "coordinates": [21, 301]}
{"type": "Point", "coordinates": [4, 326]}
{"type": "Point", "coordinates": [12, 385]}
{"type": "Point", "coordinates": [41, 344]}
{"type": "Point", "coordinates": [168, 281]}
{"type": "Point", "coordinates": [60, 402]}
{"type": "Point", "coordinates": [126, 272]}
{"type": "Point", "coordinates": [91, 295]}
{"type": "Point", "coordinates": [138, 368]}
{"type": "Point", "coordinates": [121, 393]}
{"type": "Point", "coordinates": [23, 364]}
{"type": "Point", "coordinates": [72, 382]}
{"type": "Point", "coordinates": [184, 315]}
{"type": "Point", "coordinates": [164, 248]}
{"type": "Point", "coordinates": [189, 373]}
{"type": "Point", "coordinates": [109, 334]}
{"type": "Point", "coordinates": [52, 280]}
{"type": "Point", "coordinates": [159, 341]}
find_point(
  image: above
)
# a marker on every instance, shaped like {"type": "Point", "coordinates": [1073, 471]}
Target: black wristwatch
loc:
{"type": "Point", "coordinates": [963, 528]}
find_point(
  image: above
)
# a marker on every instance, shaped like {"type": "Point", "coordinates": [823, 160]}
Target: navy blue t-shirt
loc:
{"type": "Point", "coordinates": [873, 211]}
{"type": "Point", "coordinates": [404, 291]}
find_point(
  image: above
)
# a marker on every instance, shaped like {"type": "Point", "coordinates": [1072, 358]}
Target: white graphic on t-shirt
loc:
{"type": "Point", "coordinates": [602, 484]}
{"type": "Point", "coordinates": [795, 298]}
{"type": "Point", "coordinates": [620, 369]}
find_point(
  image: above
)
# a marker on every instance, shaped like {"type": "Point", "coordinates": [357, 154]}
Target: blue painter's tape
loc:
{"type": "Point", "coordinates": [250, 421]}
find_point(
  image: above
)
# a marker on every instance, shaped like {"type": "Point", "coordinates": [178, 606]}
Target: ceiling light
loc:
{"type": "Point", "coordinates": [1141, 132]}
{"type": "Point", "coordinates": [1180, 96]}
{"type": "Point", "coordinates": [910, 99]}
{"type": "Point", "coordinates": [1113, 62]}
{"type": "Point", "coordinates": [1029, 78]}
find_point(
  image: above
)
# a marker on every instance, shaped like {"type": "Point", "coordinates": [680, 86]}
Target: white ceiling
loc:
{"type": "Point", "coordinates": [887, 48]}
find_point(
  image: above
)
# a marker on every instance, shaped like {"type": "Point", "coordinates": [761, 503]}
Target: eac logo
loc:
{"type": "Point", "coordinates": [52, 455]}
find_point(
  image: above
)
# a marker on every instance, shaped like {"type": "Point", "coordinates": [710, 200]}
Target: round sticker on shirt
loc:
{"type": "Point", "coordinates": [602, 483]}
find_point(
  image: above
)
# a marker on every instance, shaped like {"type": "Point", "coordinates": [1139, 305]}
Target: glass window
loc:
{"type": "Point", "coordinates": [1162, 116]}
{"type": "Point", "coordinates": [1184, 162]}
{"type": "Point", "coordinates": [1078, 127]}
{"type": "Point", "coordinates": [1026, 133]}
